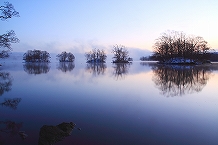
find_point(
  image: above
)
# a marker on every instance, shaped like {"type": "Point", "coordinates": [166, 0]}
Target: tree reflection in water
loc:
{"type": "Point", "coordinates": [5, 82]}
{"type": "Point", "coordinates": [96, 68]}
{"type": "Point", "coordinates": [148, 63]}
{"type": "Point", "coordinates": [36, 68]}
{"type": "Point", "coordinates": [9, 129]}
{"type": "Point", "coordinates": [65, 66]}
{"type": "Point", "coordinates": [176, 80]}
{"type": "Point", "coordinates": [121, 69]}
{"type": "Point", "coordinates": [11, 103]}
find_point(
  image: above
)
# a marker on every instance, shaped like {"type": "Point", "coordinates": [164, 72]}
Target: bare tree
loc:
{"type": "Point", "coordinates": [121, 55]}
{"type": "Point", "coordinates": [5, 42]}
{"type": "Point", "coordinates": [36, 56]}
{"type": "Point", "coordinates": [7, 12]}
{"type": "Point", "coordinates": [96, 56]}
{"type": "Point", "coordinates": [174, 44]}
{"type": "Point", "coordinates": [66, 57]}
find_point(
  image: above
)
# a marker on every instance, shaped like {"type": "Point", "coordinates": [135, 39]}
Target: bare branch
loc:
{"type": "Point", "coordinates": [174, 44]}
{"type": "Point", "coordinates": [7, 39]}
{"type": "Point", "coordinates": [8, 11]}
{"type": "Point", "coordinates": [120, 54]}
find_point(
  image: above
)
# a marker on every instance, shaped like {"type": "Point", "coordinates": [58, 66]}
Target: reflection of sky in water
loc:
{"type": "Point", "coordinates": [127, 110]}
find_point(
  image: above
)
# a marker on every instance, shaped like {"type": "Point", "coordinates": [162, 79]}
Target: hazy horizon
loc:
{"type": "Point", "coordinates": [79, 26]}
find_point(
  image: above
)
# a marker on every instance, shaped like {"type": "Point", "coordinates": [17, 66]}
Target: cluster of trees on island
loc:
{"type": "Point", "coordinates": [177, 47]}
{"type": "Point", "coordinates": [94, 56]}
{"type": "Point", "coordinates": [174, 44]}
{"type": "Point", "coordinates": [170, 47]}
{"type": "Point", "coordinates": [36, 56]}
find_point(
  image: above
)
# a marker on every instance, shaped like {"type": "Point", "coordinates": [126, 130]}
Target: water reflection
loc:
{"type": "Point", "coordinates": [120, 70]}
{"type": "Point", "coordinates": [5, 82]}
{"type": "Point", "coordinates": [52, 134]}
{"type": "Point", "coordinates": [36, 68]}
{"type": "Point", "coordinates": [11, 103]}
{"type": "Point", "coordinates": [148, 63]}
{"type": "Point", "coordinates": [96, 68]}
{"type": "Point", "coordinates": [174, 80]}
{"type": "Point", "coordinates": [65, 66]}
{"type": "Point", "coordinates": [9, 129]}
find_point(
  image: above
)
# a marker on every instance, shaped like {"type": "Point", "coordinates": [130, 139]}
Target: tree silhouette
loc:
{"type": "Point", "coordinates": [7, 12]}
{"type": "Point", "coordinates": [174, 44]}
{"type": "Point", "coordinates": [121, 55]}
{"type": "Point", "coordinates": [96, 56]}
{"type": "Point", "coordinates": [36, 56]}
{"type": "Point", "coordinates": [66, 57]}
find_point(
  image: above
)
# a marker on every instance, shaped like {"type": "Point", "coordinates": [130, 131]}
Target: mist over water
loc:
{"type": "Point", "coordinates": [137, 103]}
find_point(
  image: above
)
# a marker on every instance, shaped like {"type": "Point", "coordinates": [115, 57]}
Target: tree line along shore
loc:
{"type": "Point", "coordinates": [171, 47]}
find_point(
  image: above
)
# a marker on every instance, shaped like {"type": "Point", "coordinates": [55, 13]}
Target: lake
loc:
{"type": "Point", "coordinates": [111, 104]}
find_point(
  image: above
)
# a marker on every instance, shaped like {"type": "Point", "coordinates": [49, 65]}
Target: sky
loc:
{"type": "Point", "coordinates": [81, 25]}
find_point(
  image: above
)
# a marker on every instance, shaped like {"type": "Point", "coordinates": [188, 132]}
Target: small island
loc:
{"type": "Point", "coordinates": [95, 56]}
{"type": "Point", "coordinates": [66, 57]}
{"type": "Point", "coordinates": [174, 47]}
{"type": "Point", "coordinates": [121, 55]}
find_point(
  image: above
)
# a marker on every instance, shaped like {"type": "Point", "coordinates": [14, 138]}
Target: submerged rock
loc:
{"type": "Point", "coordinates": [51, 134]}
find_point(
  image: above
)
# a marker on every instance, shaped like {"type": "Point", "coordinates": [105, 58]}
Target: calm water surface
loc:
{"type": "Point", "coordinates": [139, 103]}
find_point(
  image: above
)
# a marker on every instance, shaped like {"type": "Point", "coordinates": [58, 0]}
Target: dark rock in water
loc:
{"type": "Point", "coordinates": [51, 134]}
